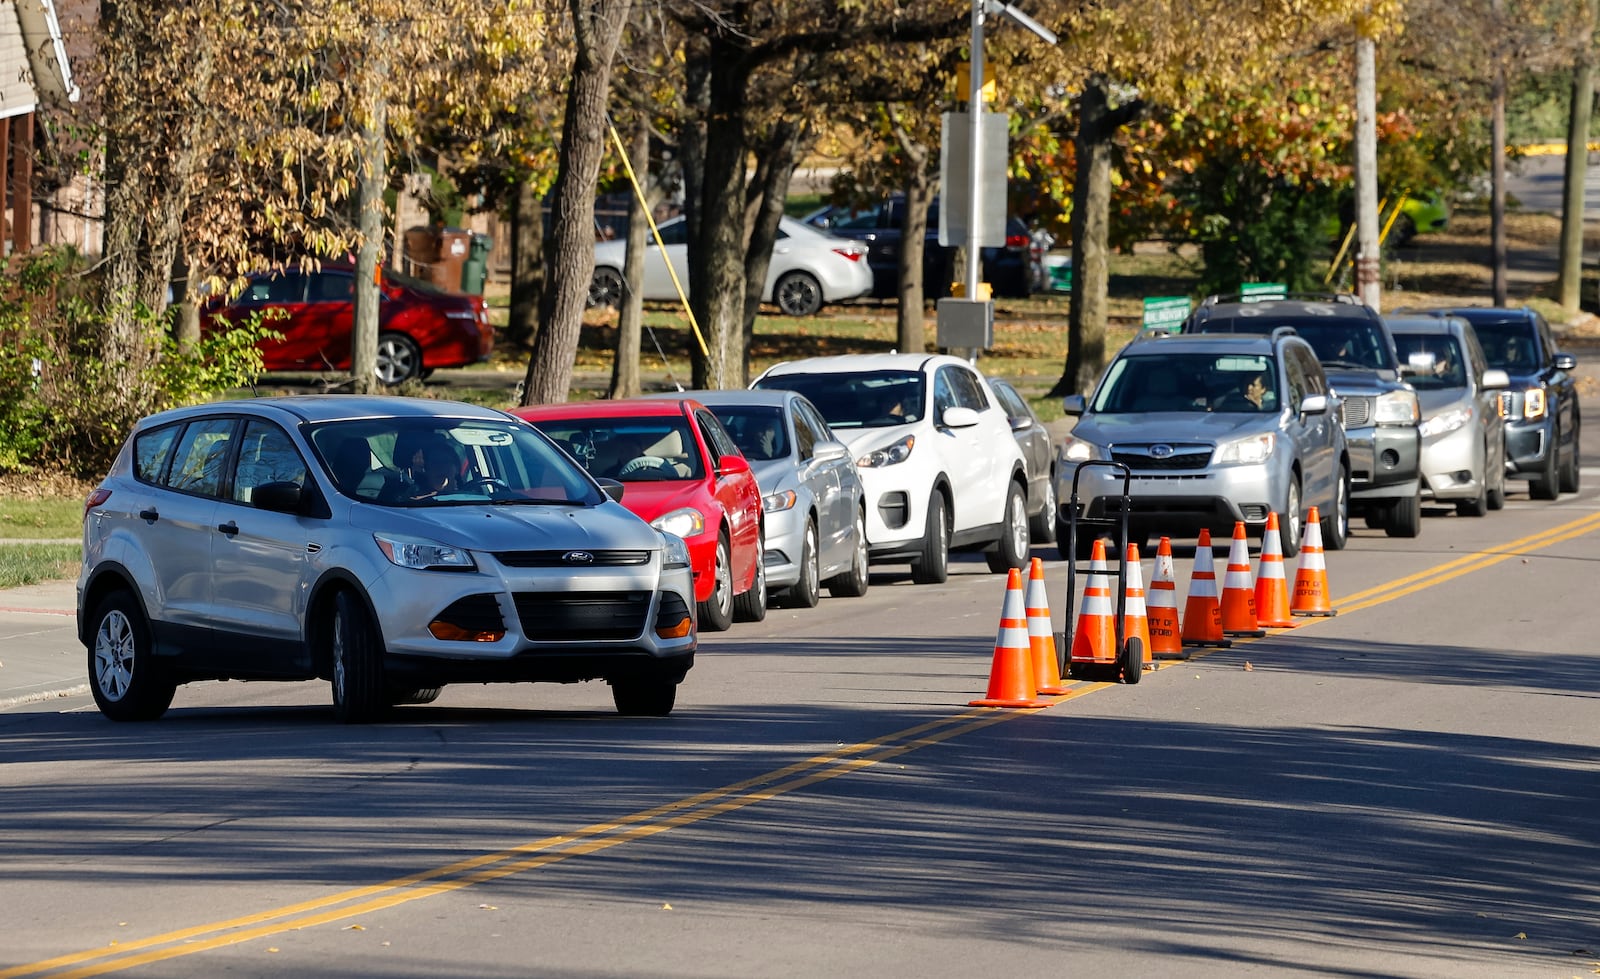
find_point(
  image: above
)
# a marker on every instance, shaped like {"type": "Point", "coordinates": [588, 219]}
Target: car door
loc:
{"type": "Point", "coordinates": [1313, 435]}
{"type": "Point", "coordinates": [737, 494]}
{"type": "Point", "coordinates": [821, 477]}
{"type": "Point", "coordinates": [180, 525]}
{"type": "Point", "coordinates": [1562, 385]}
{"type": "Point", "coordinates": [1031, 437]}
{"type": "Point", "coordinates": [968, 452]}
{"type": "Point", "coordinates": [262, 559]}
{"type": "Point", "coordinates": [674, 248]}
{"type": "Point", "coordinates": [328, 317]}
{"type": "Point", "coordinates": [280, 299]}
{"type": "Point", "coordinates": [1487, 401]}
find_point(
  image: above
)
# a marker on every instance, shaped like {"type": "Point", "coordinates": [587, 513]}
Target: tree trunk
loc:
{"type": "Point", "coordinates": [1572, 216]}
{"type": "Point", "coordinates": [717, 249]}
{"type": "Point", "coordinates": [527, 265]}
{"type": "Point", "coordinates": [569, 252]}
{"type": "Point", "coordinates": [910, 334]}
{"type": "Point", "coordinates": [625, 380]}
{"type": "Point", "coordinates": [1090, 227]}
{"type": "Point", "coordinates": [372, 177]}
{"type": "Point", "coordinates": [778, 157]}
{"type": "Point", "coordinates": [1497, 192]}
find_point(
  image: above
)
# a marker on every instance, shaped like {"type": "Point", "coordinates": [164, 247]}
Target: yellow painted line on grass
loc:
{"type": "Point", "coordinates": [682, 812]}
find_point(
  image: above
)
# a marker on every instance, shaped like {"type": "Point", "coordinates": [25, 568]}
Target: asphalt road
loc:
{"type": "Point", "coordinates": [1408, 789]}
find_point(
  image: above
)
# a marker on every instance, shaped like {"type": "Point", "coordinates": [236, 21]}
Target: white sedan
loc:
{"type": "Point", "coordinates": [808, 268]}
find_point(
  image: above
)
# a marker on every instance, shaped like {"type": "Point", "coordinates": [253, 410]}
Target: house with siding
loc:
{"type": "Point", "coordinates": [34, 75]}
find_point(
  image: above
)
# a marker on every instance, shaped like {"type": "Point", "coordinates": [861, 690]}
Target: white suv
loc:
{"type": "Point", "coordinates": [941, 469]}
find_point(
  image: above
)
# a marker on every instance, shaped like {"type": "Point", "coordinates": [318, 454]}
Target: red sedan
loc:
{"type": "Point", "coordinates": [420, 326]}
{"type": "Point", "coordinates": [684, 475]}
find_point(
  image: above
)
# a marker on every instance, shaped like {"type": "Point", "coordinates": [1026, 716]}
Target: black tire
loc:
{"type": "Point", "coordinates": [1475, 507]}
{"type": "Point", "coordinates": [1377, 515]}
{"type": "Point", "coordinates": [798, 294]}
{"type": "Point", "coordinates": [127, 681]}
{"type": "Point", "coordinates": [1012, 549]}
{"type": "Point", "coordinates": [807, 592]}
{"type": "Point", "coordinates": [853, 583]}
{"type": "Point", "coordinates": [355, 656]}
{"type": "Point", "coordinates": [1403, 231]}
{"type": "Point", "coordinates": [1291, 522]}
{"type": "Point", "coordinates": [414, 695]}
{"type": "Point", "coordinates": [716, 612]}
{"type": "Point", "coordinates": [1132, 661]}
{"type": "Point", "coordinates": [1497, 492]}
{"type": "Point", "coordinates": [1570, 478]}
{"type": "Point", "coordinates": [607, 287]}
{"type": "Point", "coordinates": [1405, 517]}
{"type": "Point", "coordinates": [1547, 485]}
{"type": "Point", "coordinates": [1042, 529]}
{"type": "Point", "coordinates": [932, 567]}
{"type": "Point", "coordinates": [399, 358]}
{"type": "Point", "coordinates": [751, 605]}
{"type": "Point", "coordinates": [1336, 525]}
{"type": "Point", "coordinates": [644, 698]}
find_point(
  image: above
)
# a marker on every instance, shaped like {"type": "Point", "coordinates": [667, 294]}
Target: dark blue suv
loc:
{"type": "Point", "coordinates": [1541, 408]}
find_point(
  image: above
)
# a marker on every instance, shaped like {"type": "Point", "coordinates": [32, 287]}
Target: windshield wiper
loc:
{"type": "Point", "coordinates": [535, 501]}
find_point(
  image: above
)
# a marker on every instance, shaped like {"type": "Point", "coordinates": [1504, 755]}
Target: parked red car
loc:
{"type": "Point", "coordinates": [683, 473]}
{"type": "Point", "coordinates": [420, 326]}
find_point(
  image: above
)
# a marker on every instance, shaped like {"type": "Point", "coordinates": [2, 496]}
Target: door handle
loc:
{"type": "Point", "coordinates": [150, 514]}
{"type": "Point", "coordinates": [230, 528]}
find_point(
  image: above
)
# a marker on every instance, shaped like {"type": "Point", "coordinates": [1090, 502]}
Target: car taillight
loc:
{"type": "Point", "coordinates": [1016, 241]}
{"type": "Point", "coordinates": [852, 253]}
{"type": "Point", "coordinates": [96, 498]}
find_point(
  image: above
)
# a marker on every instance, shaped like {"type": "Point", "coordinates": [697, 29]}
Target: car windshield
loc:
{"type": "Point", "coordinates": [1507, 345]}
{"type": "Point", "coordinates": [633, 450]}
{"type": "Point", "coordinates": [1435, 358]}
{"type": "Point", "coordinates": [862, 399]}
{"type": "Point", "coordinates": [757, 430]}
{"type": "Point", "coordinates": [1340, 343]}
{"type": "Point", "coordinates": [1189, 383]}
{"type": "Point", "coordinates": [409, 462]}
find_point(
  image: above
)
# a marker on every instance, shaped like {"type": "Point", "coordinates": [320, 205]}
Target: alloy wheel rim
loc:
{"type": "Point", "coordinates": [1019, 526]}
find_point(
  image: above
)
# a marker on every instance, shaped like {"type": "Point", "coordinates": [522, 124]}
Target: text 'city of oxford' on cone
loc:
{"type": "Point", "coordinates": [1272, 585]}
{"type": "Point", "coordinates": [1094, 639]}
{"type": "Point", "coordinates": [1041, 637]}
{"type": "Point", "coordinates": [1202, 612]}
{"type": "Point", "coordinates": [1239, 589]}
{"type": "Point", "coordinates": [1011, 682]}
{"type": "Point", "coordinates": [1166, 641]}
{"type": "Point", "coordinates": [1311, 575]}
{"type": "Point", "coordinates": [1135, 621]}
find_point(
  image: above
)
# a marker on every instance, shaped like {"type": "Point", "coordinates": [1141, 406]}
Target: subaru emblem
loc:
{"type": "Point", "coordinates": [1160, 451]}
{"type": "Point", "coordinates": [578, 557]}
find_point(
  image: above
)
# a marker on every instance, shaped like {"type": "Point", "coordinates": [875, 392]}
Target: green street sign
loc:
{"type": "Point", "coordinates": [1165, 311]}
{"type": "Point", "coordinates": [1257, 291]}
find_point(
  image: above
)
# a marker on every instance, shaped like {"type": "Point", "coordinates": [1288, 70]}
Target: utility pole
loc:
{"type": "Point", "coordinates": [1497, 171]}
{"type": "Point", "coordinates": [1368, 284]}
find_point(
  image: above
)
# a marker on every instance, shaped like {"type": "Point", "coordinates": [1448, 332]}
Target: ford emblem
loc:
{"type": "Point", "coordinates": [1160, 451]}
{"type": "Point", "coordinates": [578, 557]}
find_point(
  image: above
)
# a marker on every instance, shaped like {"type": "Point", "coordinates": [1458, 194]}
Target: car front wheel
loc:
{"type": "Point", "coordinates": [1012, 550]}
{"type": "Point", "coordinates": [1043, 527]}
{"type": "Point", "coordinates": [933, 566]}
{"type": "Point", "coordinates": [1547, 485]}
{"type": "Point", "coordinates": [644, 698]}
{"type": "Point", "coordinates": [606, 288]}
{"type": "Point", "coordinates": [355, 654]}
{"type": "Point", "coordinates": [399, 358]}
{"type": "Point", "coordinates": [128, 683]}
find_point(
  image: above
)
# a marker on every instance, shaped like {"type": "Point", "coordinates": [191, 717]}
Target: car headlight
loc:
{"type": "Point", "coordinates": [674, 553]}
{"type": "Point", "coordinates": [686, 522]}
{"type": "Point", "coordinates": [1533, 405]}
{"type": "Point", "coordinates": [1397, 408]}
{"type": "Point", "coordinates": [778, 502]}
{"type": "Point", "coordinates": [423, 555]}
{"type": "Point", "coordinates": [888, 455]}
{"type": "Point", "coordinates": [1077, 450]}
{"type": "Point", "coordinates": [1445, 422]}
{"type": "Point", "coordinates": [1247, 452]}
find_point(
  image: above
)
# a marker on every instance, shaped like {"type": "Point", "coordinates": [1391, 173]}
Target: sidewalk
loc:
{"type": "Point", "coordinates": [40, 656]}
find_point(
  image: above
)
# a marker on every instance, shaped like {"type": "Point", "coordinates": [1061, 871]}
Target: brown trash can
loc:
{"type": "Point", "coordinates": [422, 252]}
{"type": "Point", "coordinates": [455, 245]}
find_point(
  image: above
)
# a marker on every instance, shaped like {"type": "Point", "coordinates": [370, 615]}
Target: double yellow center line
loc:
{"type": "Point", "coordinates": [678, 813]}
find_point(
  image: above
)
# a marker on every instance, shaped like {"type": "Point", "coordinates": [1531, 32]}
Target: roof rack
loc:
{"type": "Point", "coordinates": [1239, 297]}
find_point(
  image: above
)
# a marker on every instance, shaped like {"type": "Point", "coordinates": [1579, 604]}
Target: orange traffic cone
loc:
{"type": "Point", "coordinates": [1202, 612]}
{"type": "Point", "coordinates": [1238, 590]}
{"type": "Point", "coordinates": [1011, 676]}
{"type": "Point", "coordinates": [1135, 620]}
{"type": "Point", "coordinates": [1094, 641]}
{"type": "Point", "coordinates": [1272, 586]}
{"type": "Point", "coordinates": [1041, 638]}
{"type": "Point", "coordinates": [1162, 616]}
{"type": "Point", "coordinates": [1311, 576]}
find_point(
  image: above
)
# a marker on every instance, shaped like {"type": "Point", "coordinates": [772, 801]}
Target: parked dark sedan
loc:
{"type": "Point", "coordinates": [1007, 269]}
{"type": "Point", "coordinates": [1038, 453]}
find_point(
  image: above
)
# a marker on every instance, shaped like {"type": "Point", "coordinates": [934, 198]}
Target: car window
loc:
{"type": "Point", "coordinates": [1297, 375]}
{"type": "Point", "coordinates": [286, 288]}
{"type": "Point", "coordinates": [968, 390]}
{"type": "Point", "coordinates": [1010, 401]}
{"type": "Point", "coordinates": [863, 220]}
{"type": "Point", "coordinates": [1547, 343]}
{"type": "Point", "coordinates": [757, 430]}
{"type": "Point", "coordinates": [330, 287]}
{"type": "Point", "coordinates": [638, 449]}
{"type": "Point", "coordinates": [864, 399]}
{"type": "Point", "coordinates": [944, 394]}
{"type": "Point", "coordinates": [1316, 380]}
{"type": "Point", "coordinates": [1476, 363]}
{"type": "Point", "coordinates": [673, 233]}
{"type": "Point", "coordinates": [202, 452]}
{"type": "Point", "coordinates": [151, 450]}
{"type": "Point", "coordinates": [716, 436]}
{"type": "Point", "coordinates": [1442, 355]}
{"type": "Point", "coordinates": [808, 430]}
{"type": "Point", "coordinates": [266, 455]}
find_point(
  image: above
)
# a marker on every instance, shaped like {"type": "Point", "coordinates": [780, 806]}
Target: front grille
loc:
{"type": "Point", "coordinates": [1356, 412]}
{"type": "Point", "coordinates": [1162, 456]}
{"type": "Point", "coordinates": [571, 558]}
{"type": "Point", "coordinates": [571, 616]}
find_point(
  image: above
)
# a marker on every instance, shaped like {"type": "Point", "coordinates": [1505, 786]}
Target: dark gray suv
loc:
{"type": "Point", "coordinates": [1379, 409]}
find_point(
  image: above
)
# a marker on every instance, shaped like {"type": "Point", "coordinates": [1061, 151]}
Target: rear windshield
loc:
{"type": "Point", "coordinates": [1345, 342]}
{"type": "Point", "coordinates": [632, 450]}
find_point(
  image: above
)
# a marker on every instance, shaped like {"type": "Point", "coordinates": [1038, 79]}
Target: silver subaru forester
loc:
{"type": "Point", "coordinates": [388, 545]}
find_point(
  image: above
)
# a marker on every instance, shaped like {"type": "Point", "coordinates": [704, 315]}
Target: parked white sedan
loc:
{"type": "Point", "coordinates": [808, 268]}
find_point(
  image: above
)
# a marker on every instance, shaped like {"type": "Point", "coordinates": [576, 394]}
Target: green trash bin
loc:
{"type": "Point", "coordinates": [475, 270]}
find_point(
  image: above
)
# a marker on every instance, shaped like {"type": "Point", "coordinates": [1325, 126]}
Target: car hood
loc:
{"type": "Point", "coordinates": [773, 475]}
{"type": "Point", "coordinates": [1435, 401]}
{"type": "Point", "coordinates": [514, 527]}
{"type": "Point", "coordinates": [1363, 380]}
{"type": "Point", "coordinates": [651, 498]}
{"type": "Point", "coordinates": [860, 441]}
{"type": "Point", "coordinates": [1172, 426]}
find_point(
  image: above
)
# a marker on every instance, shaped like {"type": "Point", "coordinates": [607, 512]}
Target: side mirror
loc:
{"type": "Point", "coordinates": [1074, 404]}
{"type": "Point", "coordinates": [282, 497]}
{"type": "Point", "coordinates": [732, 465]}
{"type": "Point", "coordinates": [1314, 404]}
{"type": "Point", "coordinates": [1494, 378]}
{"type": "Point", "coordinates": [828, 450]}
{"type": "Point", "coordinates": [612, 487]}
{"type": "Point", "coordinates": [959, 417]}
{"type": "Point", "coordinates": [1021, 423]}
{"type": "Point", "coordinates": [1565, 362]}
